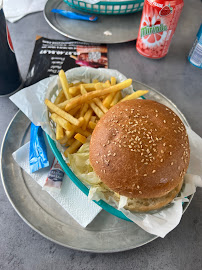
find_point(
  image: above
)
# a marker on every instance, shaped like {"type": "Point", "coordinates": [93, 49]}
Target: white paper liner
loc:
{"type": "Point", "coordinates": [31, 101]}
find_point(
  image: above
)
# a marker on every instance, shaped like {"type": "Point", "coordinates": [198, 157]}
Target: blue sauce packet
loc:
{"type": "Point", "coordinates": [37, 152]}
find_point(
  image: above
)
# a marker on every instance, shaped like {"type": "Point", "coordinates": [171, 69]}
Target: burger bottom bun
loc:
{"type": "Point", "coordinates": [145, 205]}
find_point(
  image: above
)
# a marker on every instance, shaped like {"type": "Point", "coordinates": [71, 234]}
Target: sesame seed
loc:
{"type": "Point", "coordinates": [140, 192]}
{"type": "Point", "coordinates": [171, 153]}
{"type": "Point", "coordinates": [145, 174]}
{"type": "Point", "coordinates": [138, 186]}
{"type": "Point", "coordinates": [153, 171]}
{"type": "Point", "coordinates": [164, 121]}
{"type": "Point", "coordinates": [171, 163]}
{"type": "Point", "coordinates": [96, 162]}
{"type": "Point", "coordinates": [162, 151]}
{"type": "Point", "coordinates": [161, 160]}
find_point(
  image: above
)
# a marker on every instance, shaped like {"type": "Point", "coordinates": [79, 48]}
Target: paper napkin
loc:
{"type": "Point", "coordinates": [70, 197]}
{"type": "Point", "coordinates": [15, 10]}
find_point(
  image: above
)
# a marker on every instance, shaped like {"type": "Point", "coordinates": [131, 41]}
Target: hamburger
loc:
{"type": "Point", "coordinates": [140, 149]}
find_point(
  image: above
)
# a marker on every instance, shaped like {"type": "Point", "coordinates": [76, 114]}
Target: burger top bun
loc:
{"type": "Point", "coordinates": [140, 149]}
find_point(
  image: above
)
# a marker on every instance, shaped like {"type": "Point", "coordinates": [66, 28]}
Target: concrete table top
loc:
{"type": "Point", "coordinates": [24, 249]}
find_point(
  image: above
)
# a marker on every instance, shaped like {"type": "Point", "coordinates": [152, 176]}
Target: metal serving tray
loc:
{"type": "Point", "coordinates": [105, 234]}
{"type": "Point", "coordinates": [120, 28]}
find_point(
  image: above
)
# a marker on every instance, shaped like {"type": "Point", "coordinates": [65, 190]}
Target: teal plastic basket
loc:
{"type": "Point", "coordinates": [108, 8]}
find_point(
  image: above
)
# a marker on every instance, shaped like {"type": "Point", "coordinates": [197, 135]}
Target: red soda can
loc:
{"type": "Point", "coordinates": [157, 26]}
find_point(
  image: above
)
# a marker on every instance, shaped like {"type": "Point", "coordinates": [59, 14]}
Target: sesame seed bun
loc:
{"type": "Point", "coordinates": [140, 149]}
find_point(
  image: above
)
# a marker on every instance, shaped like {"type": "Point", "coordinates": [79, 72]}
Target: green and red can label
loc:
{"type": "Point", "coordinates": [157, 26]}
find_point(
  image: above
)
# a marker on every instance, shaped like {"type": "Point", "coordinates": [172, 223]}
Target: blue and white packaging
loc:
{"type": "Point", "coordinates": [37, 153]}
{"type": "Point", "coordinates": [195, 54]}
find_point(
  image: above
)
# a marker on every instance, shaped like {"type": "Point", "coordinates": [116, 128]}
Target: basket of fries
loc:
{"type": "Point", "coordinates": [108, 7]}
{"type": "Point", "coordinates": [75, 103]}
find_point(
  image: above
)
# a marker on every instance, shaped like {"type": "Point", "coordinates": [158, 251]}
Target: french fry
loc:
{"type": "Point", "coordinates": [87, 117]}
{"type": "Point", "coordinates": [64, 83]}
{"type": "Point", "coordinates": [99, 86]}
{"type": "Point", "coordinates": [64, 140]}
{"type": "Point", "coordinates": [62, 113]}
{"type": "Point", "coordinates": [74, 111]}
{"type": "Point", "coordinates": [113, 80]}
{"type": "Point", "coordinates": [61, 121]}
{"type": "Point", "coordinates": [85, 133]}
{"type": "Point", "coordinates": [107, 101]}
{"type": "Point", "coordinates": [59, 83]}
{"type": "Point", "coordinates": [93, 118]}
{"type": "Point", "coordinates": [69, 134]}
{"type": "Point", "coordinates": [84, 109]}
{"type": "Point", "coordinates": [59, 132]}
{"type": "Point", "coordinates": [70, 141]}
{"type": "Point", "coordinates": [74, 90]}
{"type": "Point", "coordinates": [83, 90]}
{"type": "Point", "coordinates": [72, 148]}
{"type": "Point", "coordinates": [81, 122]}
{"type": "Point", "coordinates": [92, 125]}
{"type": "Point", "coordinates": [96, 110]}
{"type": "Point", "coordinates": [64, 103]}
{"type": "Point", "coordinates": [98, 102]}
{"type": "Point", "coordinates": [60, 98]}
{"type": "Point", "coordinates": [107, 84]}
{"type": "Point", "coordinates": [88, 86]}
{"type": "Point", "coordinates": [116, 98]}
{"type": "Point", "coordinates": [80, 138]}
{"type": "Point", "coordinates": [135, 95]}
{"type": "Point", "coordinates": [91, 95]}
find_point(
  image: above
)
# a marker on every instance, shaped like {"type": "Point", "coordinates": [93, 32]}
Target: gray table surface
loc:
{"type": "Point", "coordinates": [23, 248]}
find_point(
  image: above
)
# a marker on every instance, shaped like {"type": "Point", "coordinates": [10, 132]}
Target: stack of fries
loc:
{"type": "Point", "coordinates": [78, 107]}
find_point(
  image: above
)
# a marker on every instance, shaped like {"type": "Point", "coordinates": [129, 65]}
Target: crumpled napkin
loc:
{"type": "Point", "coordinates": [69, 197]}
{"type": "Point", "coordinates": [14, 10]}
